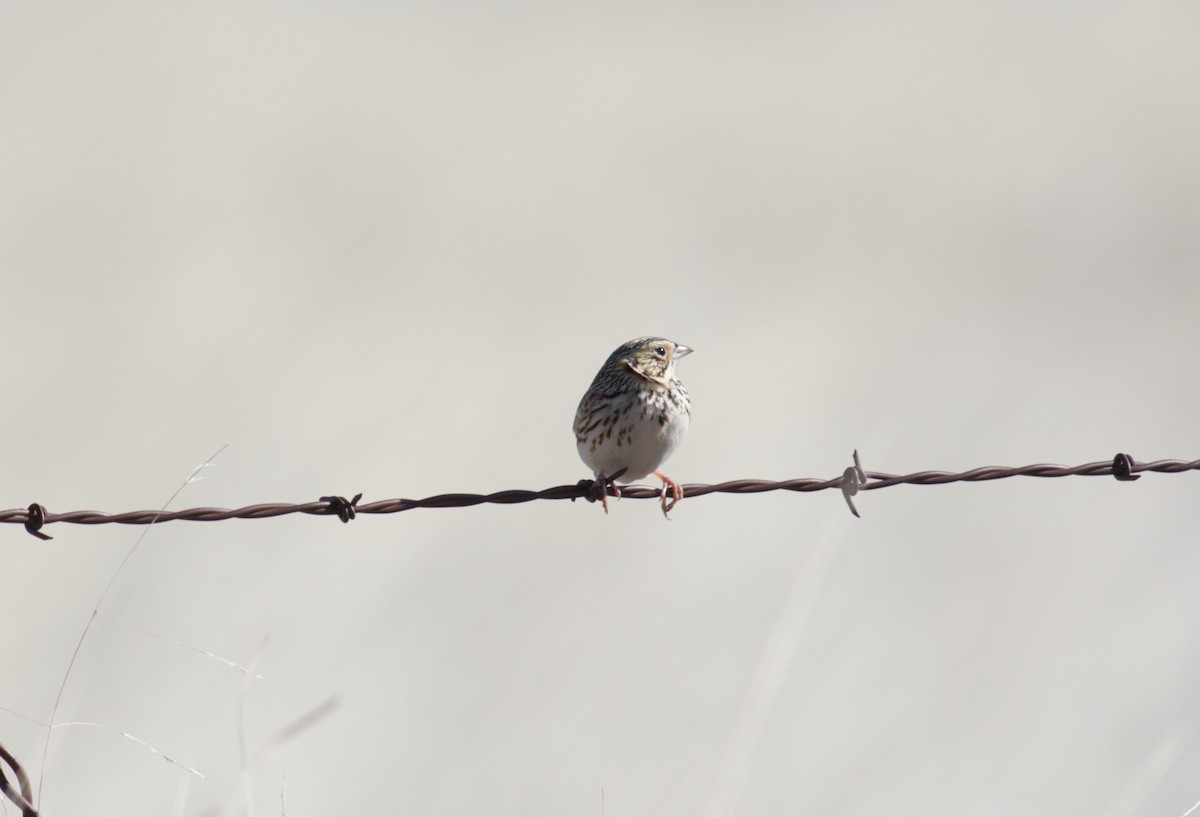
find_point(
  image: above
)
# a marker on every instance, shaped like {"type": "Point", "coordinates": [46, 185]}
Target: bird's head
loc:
{"type": "Point", "coordinates": [652, 358]}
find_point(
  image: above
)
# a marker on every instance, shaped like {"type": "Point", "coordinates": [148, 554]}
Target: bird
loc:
{"type": "Point", "coordinates": [634, 415]}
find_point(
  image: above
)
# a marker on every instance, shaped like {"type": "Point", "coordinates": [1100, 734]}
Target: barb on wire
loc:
{"type": "Point", "coordinates": [35, 520]}
{"type": "Point", "coordinates": [1123, 467]}
{"type": "Point", "coordinates": [853, 478]}
{"type": "Point", "coordinates": [344, 509]}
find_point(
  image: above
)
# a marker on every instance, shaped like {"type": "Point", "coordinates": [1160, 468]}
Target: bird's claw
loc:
{"type": "Point", "coordinates": [676, 493]}
{"type": "Point", "coordinates": [604, 494]}
{"type": "Point", "coordinates": [598, 489]}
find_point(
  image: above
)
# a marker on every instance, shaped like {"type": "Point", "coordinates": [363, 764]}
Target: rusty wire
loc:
{"type": "Point", "coordinates": [1123, 467]}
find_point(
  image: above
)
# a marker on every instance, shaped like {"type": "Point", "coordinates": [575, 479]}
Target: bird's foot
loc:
{"type": "Point", "coordinates": [676, 492]}
{"type": "Point", "coordinates": [600, 486]}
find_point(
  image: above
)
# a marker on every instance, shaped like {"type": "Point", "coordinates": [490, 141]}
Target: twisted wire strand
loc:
{"type": "Point", "coordinates": [1123, 468]}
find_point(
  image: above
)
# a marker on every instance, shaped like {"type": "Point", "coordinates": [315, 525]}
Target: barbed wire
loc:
{"type": "Point", "coordinates": [1123, 467]}
{"type": "Point", "coordinates": [853, 480]}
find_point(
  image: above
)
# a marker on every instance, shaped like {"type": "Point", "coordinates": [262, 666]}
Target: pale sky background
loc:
{"type": "Point", "coordinates": [384, 248]}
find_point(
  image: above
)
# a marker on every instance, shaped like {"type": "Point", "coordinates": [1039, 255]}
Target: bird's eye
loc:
{"type": "Point", "coordinates": [660, 351]}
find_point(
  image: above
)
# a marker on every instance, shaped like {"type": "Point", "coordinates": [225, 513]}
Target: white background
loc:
{"type": "Point", "coordinates": [384, 248]}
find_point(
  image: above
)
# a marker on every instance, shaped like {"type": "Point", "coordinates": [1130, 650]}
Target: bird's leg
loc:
{"type": "Point", "coordinates": [676, 492]}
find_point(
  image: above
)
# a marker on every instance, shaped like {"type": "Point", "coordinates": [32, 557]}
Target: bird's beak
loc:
{"type": "Point", "coordinates": [680, 351]}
